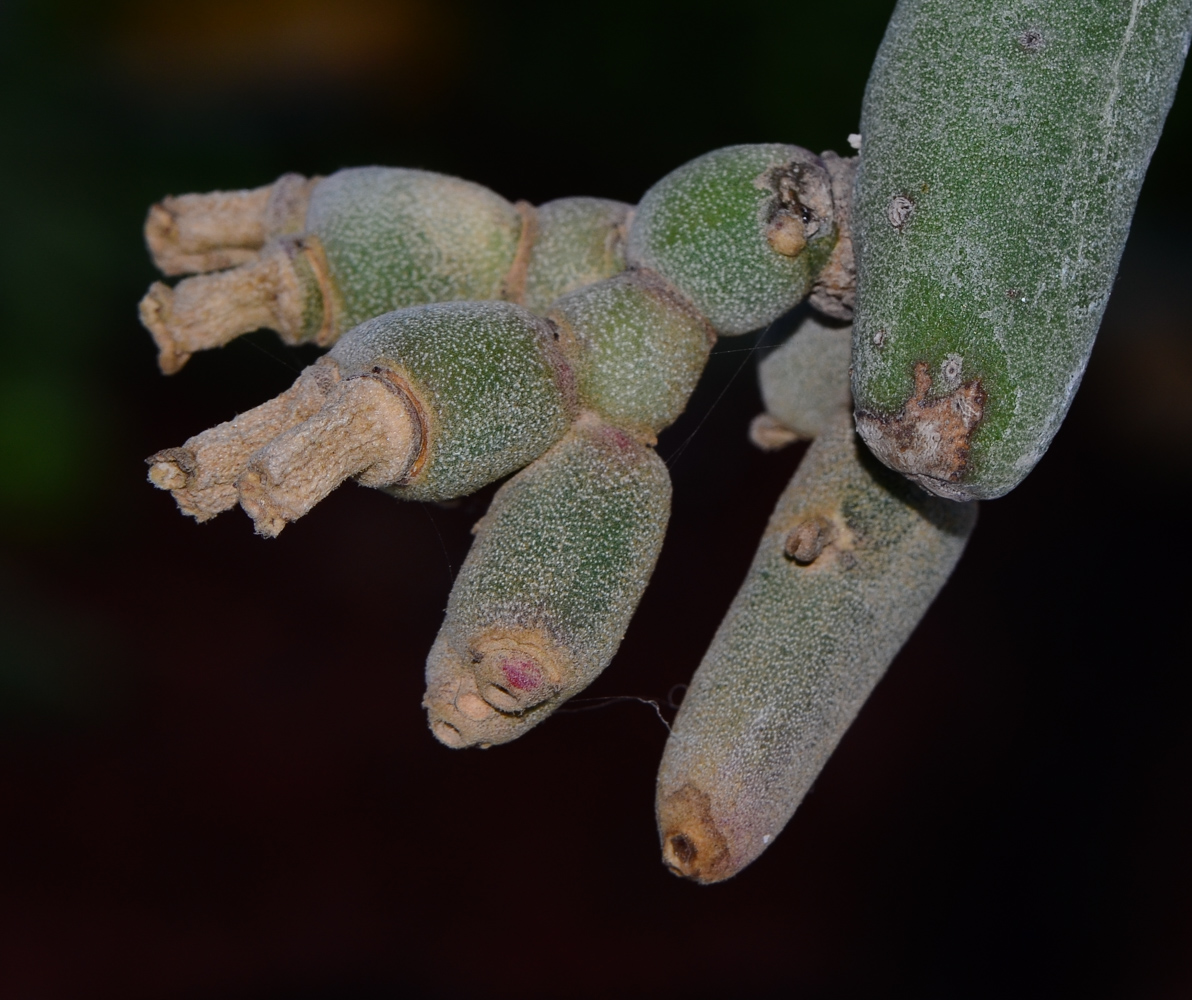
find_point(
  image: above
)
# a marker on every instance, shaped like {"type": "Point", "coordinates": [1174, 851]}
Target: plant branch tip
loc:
{"type": "Point", "coordinates": [693, 846]}
{"type": "Point", "coordinates": [154, 310]}
{"type": "Point", "coordinates": [367, 428]}
{"type": "Point", "coordinates": [209, 310]}
{"type": "Point", "coordinates": [166, 475]}
{"type": "Point", "coordinates": [197, 233]}
{"type": "Point", "coordinates": [202, 474]}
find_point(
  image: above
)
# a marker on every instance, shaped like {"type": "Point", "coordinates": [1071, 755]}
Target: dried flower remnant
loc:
{"type": "Point", "coordinates": [194, 233]}
{"type": "Point", "coordinates": [279, 289]}
{"type": "Point", "coordinates": [202, 473]}
{"type": "Point", "coordinates": [367, 428]}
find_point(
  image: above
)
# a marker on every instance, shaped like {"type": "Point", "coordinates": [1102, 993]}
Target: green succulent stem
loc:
{"type": "Point", "coordinates": [433, 401]}
{"type": "Point", "coordinates": [852, 557]}
{"type": "Point", "coordinates": [362, 242]}
{"type": "Point", "coordinates": [559, 564]}
{"type": "Point", "coordinates": [1004, 146]}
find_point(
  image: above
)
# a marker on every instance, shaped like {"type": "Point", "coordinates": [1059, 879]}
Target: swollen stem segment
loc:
{"type": "Point", "coordinates": [559, 564]}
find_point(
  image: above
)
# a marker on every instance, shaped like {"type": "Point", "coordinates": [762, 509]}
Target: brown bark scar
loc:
{"type": "Point", "coordinates": [929, 440]}
{"type": "Point", "coordinates": [692, 844]}
{"type": "Point", "coordinates": [835, 291]}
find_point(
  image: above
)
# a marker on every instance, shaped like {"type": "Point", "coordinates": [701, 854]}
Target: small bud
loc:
{"type": "Point", "coordinates": [799, 652]}
{"type": "Point", "coordinates": [807, 541]}
{"type": "Point", "coordinates": [786, 234]}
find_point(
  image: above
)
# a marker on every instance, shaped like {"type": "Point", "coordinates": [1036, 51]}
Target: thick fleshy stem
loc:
{"type": "Point", "coordinates": [851, 559]}
{"type": "Point", "coordinates": [984, 265]}
{"type": "Point", "coordinates": [192, 233]}
{"type": "Point", "coordinates": [210, 310]}
{"type": "Point", "coordinates": [376, 239]}
{"type": "Point", "coordinates": [202, 473]}
{"type": "Point", "coordinates": [368, 428]}
{"type": "Point", "coordinates": [541, 603]}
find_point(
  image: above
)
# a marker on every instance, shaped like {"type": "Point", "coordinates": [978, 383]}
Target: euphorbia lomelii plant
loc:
{"type": "Point", "coordinates": [958, 268]}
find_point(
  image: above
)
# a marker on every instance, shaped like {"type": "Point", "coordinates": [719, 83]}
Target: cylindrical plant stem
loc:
{"type": "Point", "coordinates": [1003, 148]}
{"type": "Point", "coordinates": [579, 241]}
{"type": "Point", "coordinates": [804, 384]}
{"type": "Point", "coordinates": [637, 349]}
{"type": "Point", "coordinates": [851, 559]}
{"type": "Point", "coordinates": [559, 564]}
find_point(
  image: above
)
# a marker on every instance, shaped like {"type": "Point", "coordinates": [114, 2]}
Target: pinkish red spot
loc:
{"type": "Point", "coordinates": [523, 674]}
{"type": "Point", "coordinates": [619, 439]}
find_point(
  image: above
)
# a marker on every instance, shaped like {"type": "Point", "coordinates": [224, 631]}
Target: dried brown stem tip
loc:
{"type": "Point", "coordinates": [458, 716]}
{"type": "Point", "coordinates": [202, 473]}
{"type": "Point", "coordinates": [193, 233]}
{"type": "Point", "coordinates": [212, 309]}
{"type": "Point", "coordinates": [368, 428]}
{"type": "Point", "coordinates": [692, 845]}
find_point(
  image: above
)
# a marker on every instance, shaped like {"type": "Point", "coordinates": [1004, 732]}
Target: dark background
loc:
{"type": "Point", "coordinates": [215, 776]}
